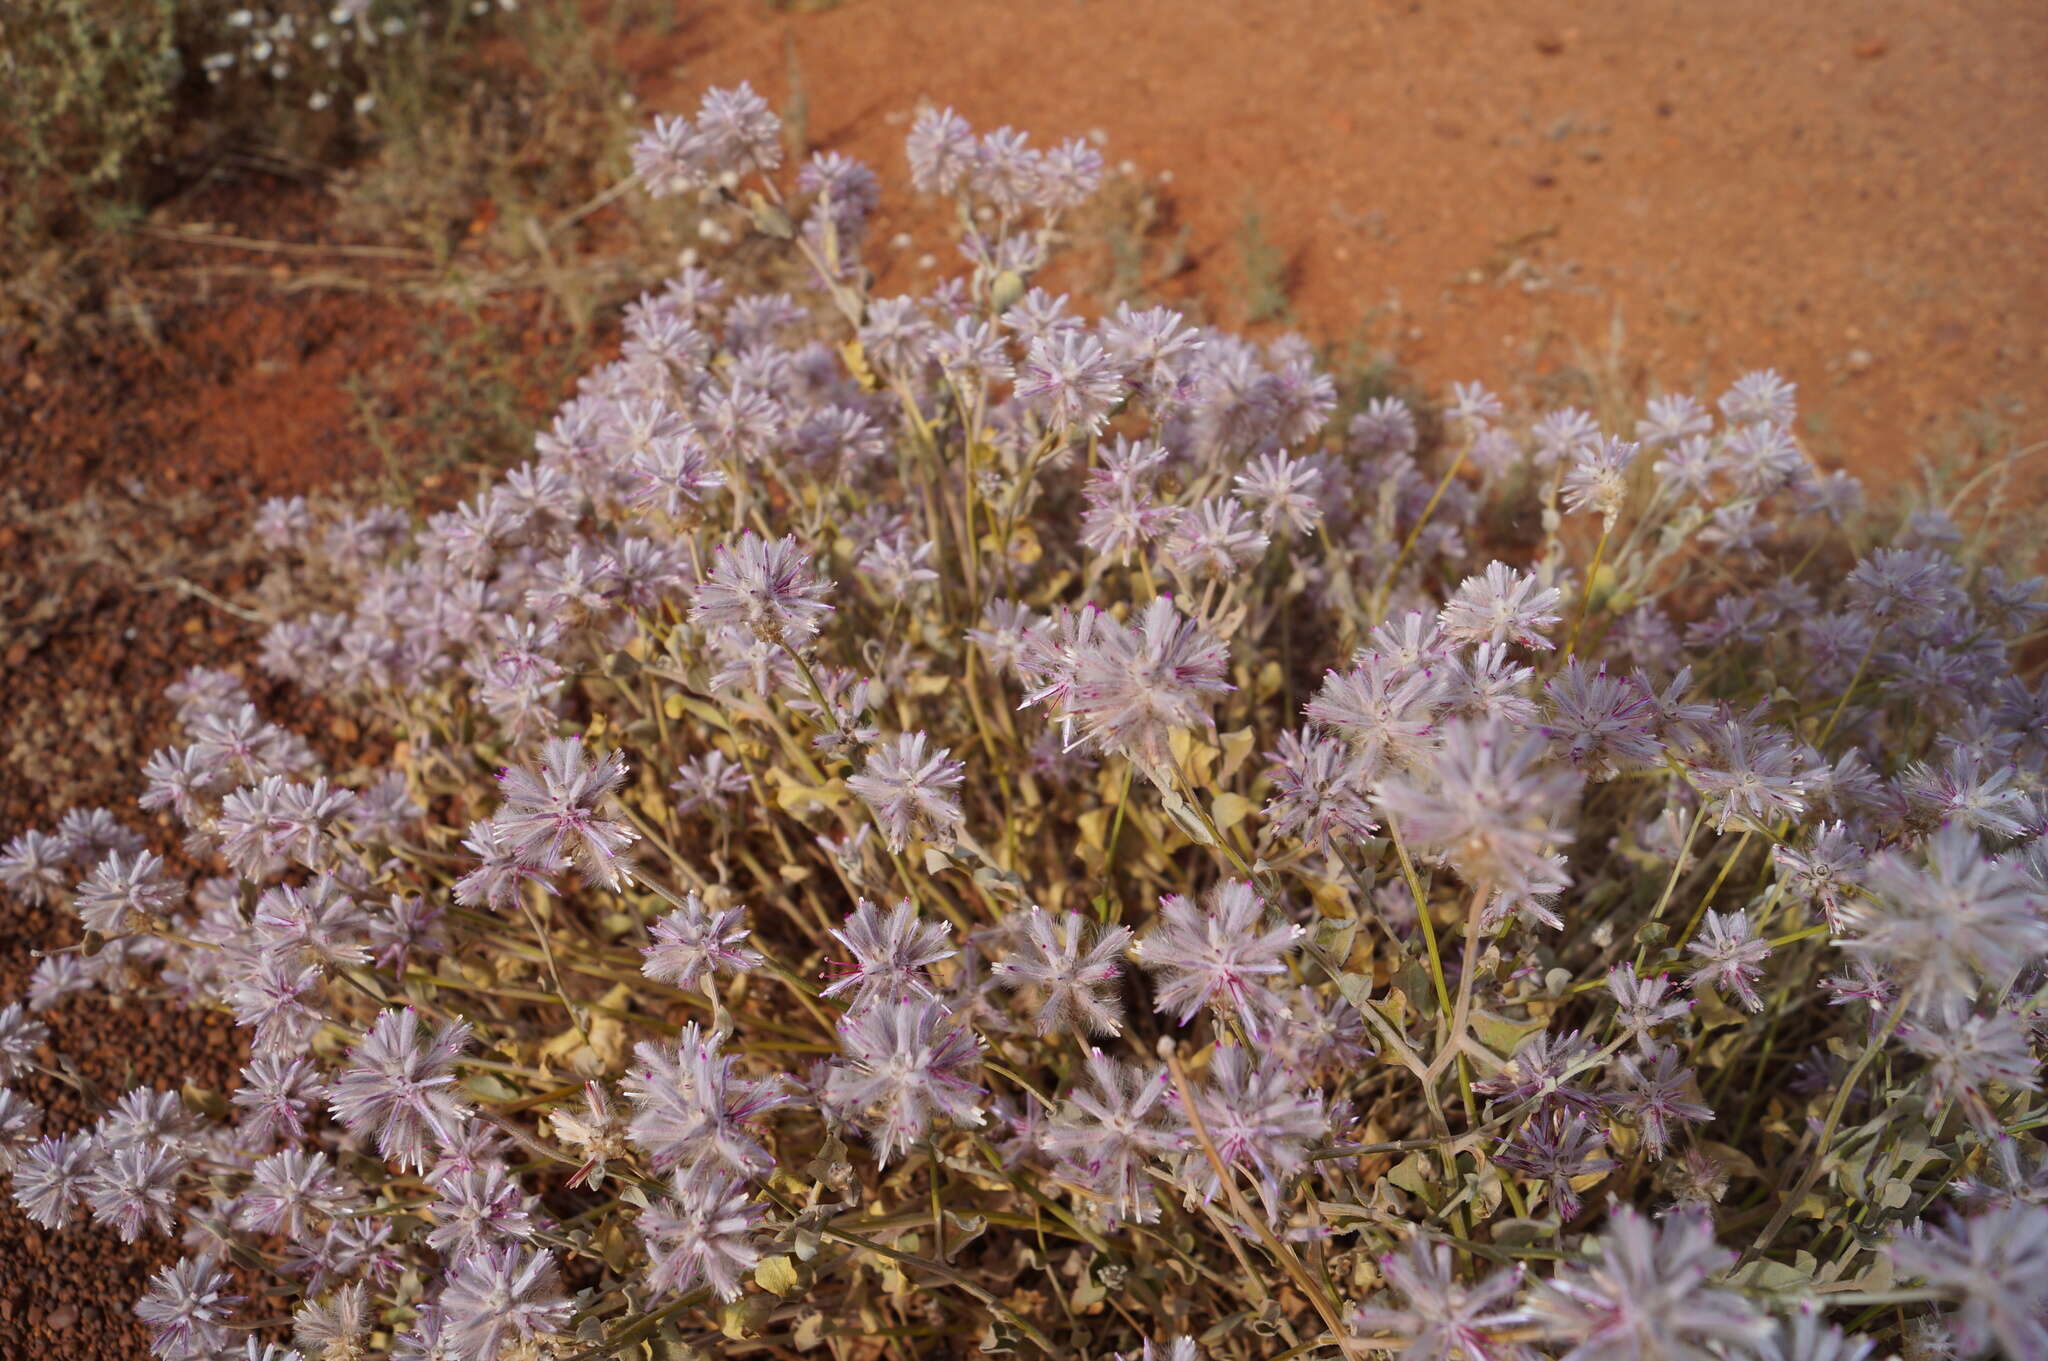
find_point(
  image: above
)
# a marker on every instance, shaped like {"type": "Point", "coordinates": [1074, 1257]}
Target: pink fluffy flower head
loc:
{"type": "Point", "coordinates": [1219, 953]}
{"type": "Point", "coordinates": [552, 817]}
{"type": "Point", "coordinates": [399, 1087]}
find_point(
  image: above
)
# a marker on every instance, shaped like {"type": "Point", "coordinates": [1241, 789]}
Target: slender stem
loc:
{"type": "Point", "coordinates": [1707, 899]}
{"type": "Point", "coordinates": [1116, 831]}
{"type": "Point", "coordinates": [1408, 544]}
{"type": "Point", "coordinates": [1586, 596]}
{"type": "Point", "coordinates": [1849, 689]}
{"type": "Point", "coordinates": [1436, 962]}
{"type": "Point", "coordinates": [1827, 1132]}
{"type": "Point", "coordinates": [1461, 1015]}
{"type": "Point", "coordinates": [1692, 829]}
{"type": "Point", "coordinates": [1319, 1296]}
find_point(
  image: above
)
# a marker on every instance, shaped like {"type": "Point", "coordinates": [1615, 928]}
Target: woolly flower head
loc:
{"type": "Point", "coordinates": [1070, 382]}
{"type": "Point", "coordinates": [702, 1232]}
{"type": "Point", "coordinates": [739, 129]}
{"type": "Point", "coordinates": [122, 890]}
{"type": "Point", "coordinates": [1112, 1130]}
{"type": "Point", "coordinates": [1438, 1317]}
{"type": "Point", "coordinates": [903, 1065]}
{"type": "Point", "coordinates": [764, 587]}
{"type": "Point", "coordinates": [1385, 711]}
{"type": "Point", "coordinates": [552, 813]}
{"type": "Point", "coordinates": [669, 157]}
{"type": "Point", "coordinates": [691, 1109]}
{"type": "Point", "coordinates": [1649, 1294]}
{"type": "Point", "coordinates": [941, 150]}
{"type": "Point", "coordinates": [1220, 952]}
{"type": "Point", "coordinates": [49, 1177]}
{"type": "Point", "coordinates": [20, 1034]}
{"type": "Point", "coordinates": [1319, 793]}
{"type": "Point", "coordinates": [694, 942]}
{"type": "Point", "coordinates": [906, 787]}
{"type": "Point", "coordinates": [1993, 1267]}
{"type": "Point", "coordinates": [399, 1087]}
{"type": "Point", "coordinates": [500, 1295]}
{"type": "Point", "coordinates": [1502, 605]}
{"type": "Point", "coordinates": [1488, 802]}
{"type": "Point", "coordinates": [1731, 957]}
{"type": "Point", "coordinates": [1178, 1349]}
{"type": "Point", "coordinates": [1129, 689]}
{"type": "Point", "coordinates": [1072, 964]}
{"type": "Point", "coordinates": [134, 1188]}
{"type": "Point", "coordinates": [890, 954]}
{"type": "Point", "coordinates": [1639, 1005]}
{"type": "Point", "coordinates": [186, 1309]}
{"type": "Point", "coordinates": [1597, 479]}
{"type": "Point", "coordinates": [32, 867]}
{"type": "Point", "coordinates": [1284, 490]}
{"type": "Point", "coordinates": [735, 131]}
{"type": "Point", "coordinates": [1948, 924]}
{"type": "Point", "coordinates": [1259, 1121]}
{"type": "Point", "coordinates": [336, 1328]}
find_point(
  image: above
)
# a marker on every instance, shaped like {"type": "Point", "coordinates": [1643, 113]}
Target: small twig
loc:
{"type": "Point", "coordinates": [187, 587]}
{"type": "Point", "coordinates": [293, 248]}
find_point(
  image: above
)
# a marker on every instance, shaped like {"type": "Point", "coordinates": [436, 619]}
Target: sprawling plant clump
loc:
{"type": "Point", "coordinates": [933, 819]}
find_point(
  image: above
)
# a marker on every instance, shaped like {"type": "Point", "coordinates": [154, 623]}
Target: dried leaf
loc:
{"type": "Point", "coordinates": [777, 1275]}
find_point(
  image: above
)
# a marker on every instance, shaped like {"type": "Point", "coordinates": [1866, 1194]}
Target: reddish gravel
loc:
{"type": "Point", "coordinates": [128, 462]}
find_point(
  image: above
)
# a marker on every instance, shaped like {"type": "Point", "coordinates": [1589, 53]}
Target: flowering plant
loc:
{"type": "Point", "coordinates": [940, 816]}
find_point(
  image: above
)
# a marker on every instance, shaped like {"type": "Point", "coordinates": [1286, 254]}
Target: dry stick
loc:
{"type": "Point", "coordinates": [1314, 1291]}
{"type": "Point", "coordinates": [292, 248]}
{"type": "Point", "coordinates": [186, 587]}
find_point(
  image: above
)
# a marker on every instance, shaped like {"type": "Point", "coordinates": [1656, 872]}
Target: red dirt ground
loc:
{"type": "Point", "coordinates": [1854, 193]}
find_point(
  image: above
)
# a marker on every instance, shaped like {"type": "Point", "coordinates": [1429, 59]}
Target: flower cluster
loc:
{"type": "Point", "coordinates": [917, 816]}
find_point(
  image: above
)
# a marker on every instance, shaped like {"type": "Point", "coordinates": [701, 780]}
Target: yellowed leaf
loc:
{"type": "Point", "coordinates": [1094, 827]}
{"type": "Point", "coordinates": [856, 360]}
{"type": "Point", "coordinates": [777, 1275]}
{"type": "Point", "coordinates": [1237, 746]}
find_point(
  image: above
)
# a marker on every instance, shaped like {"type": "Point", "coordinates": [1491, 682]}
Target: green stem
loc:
{"type": "Point", "coordinates": [1827, 1132]}
{"type": "Point", "coordinates": [1586, 596]}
